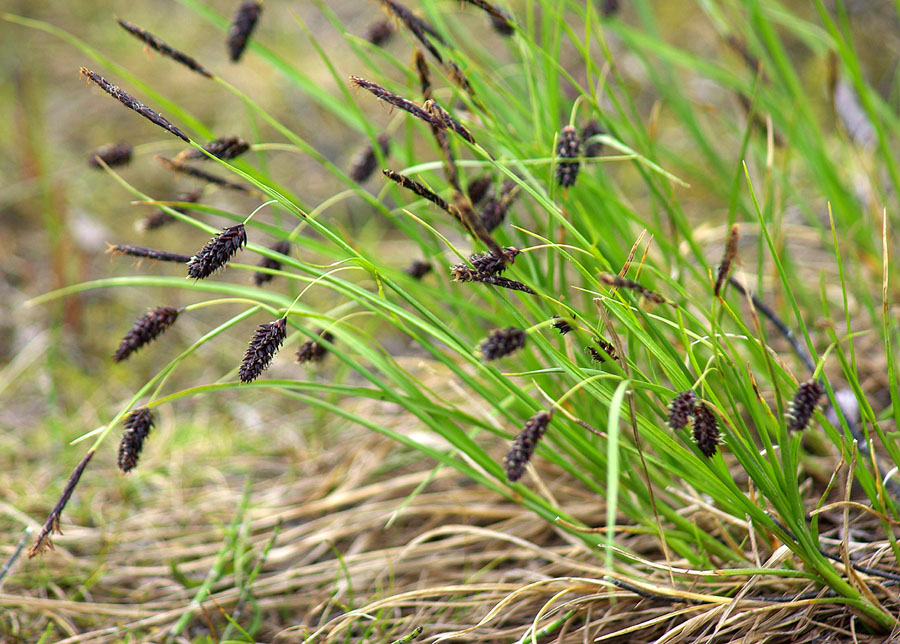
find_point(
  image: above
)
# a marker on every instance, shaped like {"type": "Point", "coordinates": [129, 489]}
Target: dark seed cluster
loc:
{"type": "Point", "coordinates": [592, 129]}
{"type": "Point", "coordinates": [804, 404]}
{"type": "Point", "coordinates": [366, 161]}
{"type": "Point", "coordinates": [681, 410]}
{"type": "Point", "coordinates": [261, 277]}
{"type": "Point", "coordinates": [217, 251]}
{"type": "Point", "coordinates": [112, 155]}
{"type": "Point", "coordinates": [568, 147]}
{"type": "Point", "coordinates": [727, 258]}
{"type": "Point", "coordinates": [462, 273]}
{"type": "Point", "coordinates": [608, 350]}
{"type": "Point", "coordinates": [617, 281]}
{"type": "Point", "coordinates": [147, 328]}
{"type": "Point", "coordinates": [525, 444]}
{"type": "Point", "coordinates": [157, 44]}
{"type": "Point", "coordinates": [197, 173]}
{"type": "Point", "coordinates": [494, 210]}
{"type": "Point", "coordinates": [561, 325]}
{"type": "Point", "coordinates": [225, 148]}
{"type": "Point", "coordinates": [706, 429]}
{"type": "Point", "coordinates": [418, 269]}
{"type": "Point", "coordinates": [265, 343]}
{"type": "Point", "coordinates": [379, 32]}
{"type": "Point", "coordinates": [312, 351]}
{"type": "Point", "coordinates": [148, 253]}
{"type": "Point", "coordinates": [137, 427]}
{"type": "Point", "coordinates": [478, 189]}
{"type": "Point", "coordinates": [51, 525]}
{"type": "Point", "coordinates": [242, 26]}
{"type": "Point", "coordinates": [491, 263]}
{"type": "Point", "coordinates": [160, 218]}
{"type": "Point", "coordinates": [503, 342]}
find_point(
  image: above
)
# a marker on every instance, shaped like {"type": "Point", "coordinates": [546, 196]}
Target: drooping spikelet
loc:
{"type": "Point", "coordinates": [265, 343]}
{"type": "Point", "coordinates": [366, 161]}
{"type": "Point", "coordinates": [379, 32]}
{"type": "Point", "coordinates": [463, 273]}
{"type": "Point", "coordinates": [804, 404]}
{"type": "Point", "coordinates": [242, 26]}
{"type": "Point", "coordinates": [568, 147]}
{"type": "Point", "coordinates": [396, 100]}
{"type": "Point", "coordinates": [137, 427]}
{"type": "Point", "coordinates": [423, 73]}
{"type": "Point", "coordinates": [414, 186]}
{"type": "Point", "coordinates": [706, 429]}
{"type": "Point", "coordinates": [608, 350]}
{"type": "Point", "coordinates": [491, 263]}
{"type": "Point", "coordinates": [312, 351]}
{"type": "Point", "coordinates": [217, 251]}
{"type": "Point", "coordinates": [502, 23]}
{"type": "Point", "coordinates": [478, 188]}
{"type": "Point", "coordinates": [502, 342]}
{"type": "Point", "coordinates": [622, 282]}
{"type": "Point", "coordinates": [225, 148]}
{"type": "Point", "coordinates": [418, 269]}
{"type": "Point", "coordinates": [157, 44]}
{"type": "Point", "coordinates": [561, 325]}
{"type": "Point", "coordinates": [261, 277]}
{"type": "Point", "coordinates": [197, 173]}
{"type": "Point", "coordinates": [51, 525]}
{"type": "Point", "coordinates": [160, 218]}
{"type": "Point", "coordinates": [418, 27]}
{"type": "Point", "coordinates": [113, 155]}
{"type": "Point", "coordinates": [148, 253]}
{"type": "Point", "coordinates": [147, 328]}
{"type": "Point", "coordinates": [681, 410]}
{"type": "Point", "coordinates": [132, 103]}
{"type": "Point", "coordinates": [525, 444]}
{"type": "Point", "coordinates": [731, 245]}
{"type": "Point", "coordinates": [494, 210]}
{"type": "Point", "coordinates": [445, 120]}
{"type": "Point", "coordinates": [591, 149]}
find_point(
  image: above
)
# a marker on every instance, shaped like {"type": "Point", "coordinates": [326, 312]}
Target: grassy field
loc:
{"type": "Point", "coordinates": [643, 389]}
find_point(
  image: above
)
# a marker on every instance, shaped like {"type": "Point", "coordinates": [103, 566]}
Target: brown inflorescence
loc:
{"type": "Point", "coordinates": [157, 44]}
{"type": "Point", "coordinates": [137, 427]}
{"type": "Point", "coordinates": [491, 263]}
{"type": "Point", "coordinates": [561, 325]}
{"type": "Point", "coordinates": [366, 160]}
{"type": "Point", "coordinates": [567, 148]}
{"type": "Point", "coordinates": [414, 186]}
{"type": "Point", "coordinates": [804, 404]}
{"type": "Point", "coordinates": [499, 19]}
{"type": "Point", "coordinates": [608, 350]}
{"type": "Point", "coordinates": [418, 27]}
{"type": "Point", "coordinates": [525, 444]}
{"type": "Point", "coordinates": [478, 188]}
{"type": "Point", "coordinates": [463, 273]}
{"type": "Point", "coordinates": [706, 429]}
{"type": "Point", "coordinates": [379, 32]}
{"type": "Point", "coordinates": [396, 100]}
{"type": "Point", "coordinates": [630, 285]}
{"type": "Point", "coordinates": [147, 328]}
{"type": "Point", "coordinates": [217, 251]}
{"type": "Point", "coordinates": [225, 148]}
{"type": "Point", "coordinates": [312, 351]}
{"type": "Point", "coordinates": [731, 245]}
{"type": "Point", "coordinates": [495, 208]}
{"type": "Point", "coordinates": [242, 25]}
{"type": "Point", "coordinates": [51, 525]}
{"type": "Point", "coordinates": [444, 120]}
{"type": "Point", "coordinates": [132, 103]}
{"type": "Point", "coordinates": [261, 277]}
{"type": "Point", "coordinates": [197, 173]}
{"type": "Point", "coordinates": [160, 218]}
{"type": "Point", "coordinates": [502, 342]}
{"type": "Point", "coordinates": [265, 343]}
{"type": "Point", "coordinates": [148, 253]}
{"type": "Point", "coordinates": [594, 148]}
{"type": "Point", "coordinates": [422, 72]}
{"type": "Point", "coordinates": [112, 155]}
{"type": "Point", "coordinates": [681, 410]}
{"type": "Point", "coordinates": [418, 269]}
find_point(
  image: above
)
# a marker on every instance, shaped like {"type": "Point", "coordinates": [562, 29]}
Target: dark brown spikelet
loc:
{"type": "Point", "coordinates": [112, 155]}
{"type": "Point", "coordinates": [445, 121]}
{"type": "Point", "coordinates": [147, 328]}
{"type": "Point", "coordinates": [500, 20]}
{"type": "Point", "coordinates": [493, 264]}
{"type": "Point", "coordinates": [503, 26]}
{"type": "Point", "coordinates": [52, 524]}
{"type": "Point", "coordinates": [804, 404]}
{"type": "Point", "coordinates": [158, 45]}
{"type": "Point", "coordinates": [366, 161]}
{"type": "Point", "coordinates": [217, 251]}
{"type": "Point", "coordinates": [265, 343]}
{"type": "Point", "coordinates": [396, 100]}
{"type": "Point", "coordinates": [225, 148]}
{"type": "Point", "coordinates": [160, 218]}
{"type": "Point", "coordinates": [502, 342]}
{"type": "Point", "coordinates": [137, 428]}
{"type": "Point", "coordinates": [423, 73]}
{"type": "Point", "coordinates": [478, 189]}
{"type": "Point", "coordinates": [416, 187]}
{"type": "Point", "coordinates": [463, 273]}
{"type": "Point", "coordinates": [609, 8]}
{"type": "Point", "coordinates": [592, 129]}
{"type": "Point", "coordinates": [132, 103]}
{"type": "Point", "coordinates": [418, 27]}
{"type": "Point", "coordinates": [568, 147]}
{"type": "Point", "coordinates": [561, 325]}
{"type": "Point", "coordinates": [458, 77]}
{"type": "Point", "coordinates": [608, 350]}
{"type": "Point", "coordinates": [681, 410]}
{"type": "Point", "coordinates": [525, 444]}
{"type": "Point", "coordinates": [148, 253]}
{"type": "Point", "coordinates": [418, 269]}
{"type": "Point", "coordinates": [261, 277]}
{"type": "Point", "coordinates": [622, 282]}
{"type": "Point", "coordinates": [197, 173]}
{"type": "Point", "coordinates": [727, 259]}
{"type": "Point", "coordinates": [379, 32]}
{"type": "Point", "coordinates": [312, 351]}
{"type": "Point", "coordinates": [706, 429]}
{"type": "Point", "coordinates": [494, 210]}
{"type": "Point", "coordinates": [242, 26]}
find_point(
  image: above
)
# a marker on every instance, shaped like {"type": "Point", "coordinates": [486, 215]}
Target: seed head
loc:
{"type": "Point", "coordinates": [242, 25]}
{"type": "Point", "coordinates": [608, 348]}
{"type": "Point", "coordinates": [492, 263]}
{"type": "Point", "coordinates": [804, 404]}
{"type": "Point", "coordinates": [112, 155]}
{"type": "Point", "coordinates": [418, 269]}
{"type": "Point", "coordinates": [137, 428]}
{"type": "Point", "coordinates": [681, 410]}
{"type": "Point", "coordinates": [591, 129]}
{"type": "Point", "coordinates": [727, 258]}
{"type": "Point", "coordinates": [561, 325]}
{"type": "Point", "coordinates": [160, 218]}
{"type": "Point", "coordinates": [261, 277]}
{"type": "Point", "coordinates": [366, 161]}
{"type": "Point", "coordinates": [502, 342]}
{"type": "Point", "coordinates": [147, 328]}
{"type": "Point", "coordinates": [155, 43]}
{"type": "Point", "coordinates": [148, 253]}
{"type": "Point", "coordinates": [265, 343]}
{"type": "Point", "coordinates": [706, 429]}
{"type": "Point", "coordinates": [379, 32]}
{"type": "Point", "coordinates": [217, 251]}
{"type": "Point", "coordinates": [494, 209]}
{"type": "Point", "coordinates": [568, 147]}
{"type": "Point", "coordinates": [197, 173]}
{"type": "Point", "coordinates": [225, 148]}
{"type": "Point", "coordinates": [312, 351]}
{"type": "Point", "coordinates": [478, 189]}
{"type": "Point", "coordinates": [51, 525]}
{"type": "Point", "coordinates": [525, 444]}
{"type": "Point", "coordinates": [463, 273]}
